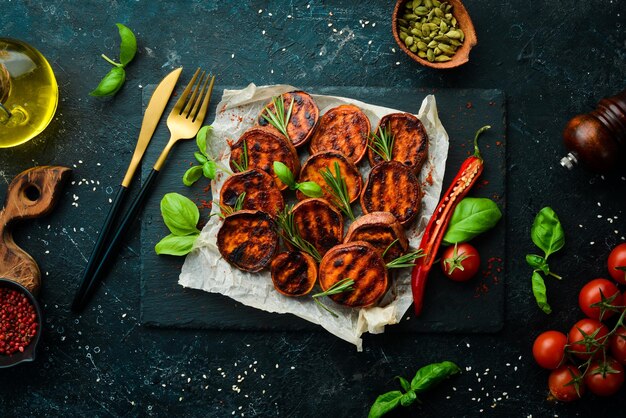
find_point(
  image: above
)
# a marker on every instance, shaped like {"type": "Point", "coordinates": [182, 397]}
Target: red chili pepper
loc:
{"type": "Point", "coordinates": [438, 224]}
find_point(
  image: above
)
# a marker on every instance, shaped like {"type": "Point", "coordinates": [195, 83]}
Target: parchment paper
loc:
{"type": "Point", "coordinates": [205, 269]}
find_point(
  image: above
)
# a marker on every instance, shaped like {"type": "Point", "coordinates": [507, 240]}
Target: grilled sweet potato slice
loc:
{"type": "Point", "coordinates": [326, 160]}
{"type": "Point", "coordinates": [410, 140]}
{"type": "Point", "coordinates": [248, 240]}
{"type": "Point", "coordinates": [360, 262]}
{"type": "Point", "coordinates": [264, 147]}
{"type": "Point", "coordinates": [318, 223]}
{"type": "Point", "coordinates": [392, 187]}
{"type": "Point", "coordinates": [294, 273]}
{"type": "Point", "coordinates": [260, 189]}
{"type": "Point", "coordinates": [304, 117]}
{"type": "Point", "coordinates": [379, 229]}
{"type": "Point", "coordinates": [345, 129]}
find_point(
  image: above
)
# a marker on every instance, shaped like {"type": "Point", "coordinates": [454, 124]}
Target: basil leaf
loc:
{"type": "Point", "coordinates": [128, 46]}
{"type": "Point", "coordinates": [471, 217]}
{"type": "Point", "coordinates": [408, 398]}
{"type": "Point", "coordinates": [385, 403]}
{"type": "Point", "coordinates": [180, 214]}
{"type": "Point", "coordinates": [200, 157]}
{"type": "Point", "coordinates": [201, 139]}
{"type": "Point", "coordinates": [209, 169]}
{"type": "Point", "coordinates": [547, 232]}
{"type": "Point", "coordinates": [175, 245]}
{"type": "Point", "coordinates": [111, 83]}
{"type": "Point", "coordinates": [539, 290]}
{"type": "Point", "coordinates": [284, 174]}
{"type": "Point", "coordinates": [433, 374]}
{"type": "Point", "coordinates": [404, 383]}
{"type": "Point", "coordinates": [310, 189]}
{"type": "Point", "coordinates": [538, 263]}
{"type": "Point", "coordinates": [192, 175]}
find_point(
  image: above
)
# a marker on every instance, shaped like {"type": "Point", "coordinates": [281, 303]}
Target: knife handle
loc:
{"type": "Point", "coordinates": [111, 251]}
{"type": "Point", "coordinates": [98, 250]}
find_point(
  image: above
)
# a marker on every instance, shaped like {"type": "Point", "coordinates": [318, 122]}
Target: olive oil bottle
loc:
{"type": "Point", "coordinates": [28, 92]}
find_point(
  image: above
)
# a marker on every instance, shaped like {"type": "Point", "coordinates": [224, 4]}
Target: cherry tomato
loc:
{"type": "Point", "coordinates": [549, 349]}
{"type": "Point", "coordinates": [604, 378]}
{"type": "Point", "coordinates": [577, 344]}
{"type": "Point", "coordinates": [590, 294]}
{"type": "Point", "coordinates": [618, 345]}
{"type": "Point", "coordinates": [563, 386]}
{"type": "Point", "coordinates": [617, 258]}
{"type": "Point", "coordinates": [461, 262]}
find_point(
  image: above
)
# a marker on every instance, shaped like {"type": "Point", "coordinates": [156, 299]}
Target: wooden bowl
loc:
{"type": "Point", "coordinates": [465, 24]}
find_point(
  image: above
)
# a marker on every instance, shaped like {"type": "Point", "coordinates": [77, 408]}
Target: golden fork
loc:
{"type": "Point", "coordinates": [184, 122]}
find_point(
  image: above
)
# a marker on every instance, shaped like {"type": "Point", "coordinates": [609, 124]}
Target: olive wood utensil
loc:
{"type": "Point", "coordinates": [184, 122]}
{"type": "Point", "coordinates": [31, 194]}
{"type": "Point", "coordinates": [152, 115]}
{"type": "Point", "coordinates": [465, 24]}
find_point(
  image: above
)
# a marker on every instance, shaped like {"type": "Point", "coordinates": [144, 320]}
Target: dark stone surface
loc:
{"type": "Point", "coordinates": [552, 61]}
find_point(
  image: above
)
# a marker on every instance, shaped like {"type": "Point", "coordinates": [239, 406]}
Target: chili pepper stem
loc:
{"type": "Point", "coordinates": [478, 133]}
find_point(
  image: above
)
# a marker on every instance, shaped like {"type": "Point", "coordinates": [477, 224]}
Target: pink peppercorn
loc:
{"type": "Point", "coordinates": [18, 321]}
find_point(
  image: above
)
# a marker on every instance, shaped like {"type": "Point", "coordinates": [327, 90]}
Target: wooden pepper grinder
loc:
{"type": "Point", "coordinates": [598, 139]}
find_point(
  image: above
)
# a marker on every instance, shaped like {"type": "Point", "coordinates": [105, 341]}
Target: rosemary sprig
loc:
{"type": "Point", "coordinates": [406, 260]}
{"type": "Point", "coordinates": [338, 189]}
{"type": "Point", "coordinates": [227, 210]}
{"type": "Point", "coordinates": [382, 143]}
{"type": "Point", "coordinates": [243, 164]}
{"type": "Point", "coordinates": [343, 285]}
{"type": "Point", "coordinates": [277, 118]}
{"type": "Point", "coordinates": [290, 233]}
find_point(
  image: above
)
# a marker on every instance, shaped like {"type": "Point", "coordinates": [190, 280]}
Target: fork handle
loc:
{"type": "Point", "coordinates": [112, 250]}
{"type": "Point", "coordinates": [103, 238]}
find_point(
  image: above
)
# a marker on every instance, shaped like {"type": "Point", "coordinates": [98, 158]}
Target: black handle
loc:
{"type": "Point", "coordinates": [98, 250]}
{"type": "Point", "coordinates": [112, 249]}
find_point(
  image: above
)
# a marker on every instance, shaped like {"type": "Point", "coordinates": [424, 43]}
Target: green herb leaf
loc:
{"type": "Point", "coordinates": [539, 290]}
{"type": "Point", "coordinates": [175, 245]}
{"type": "Point", "coordinates": [472, 217]}
{"type": "Point", "coordinates": [128, 46]}
{"type": "Point", "coordinates": [404, 383]}
{"type": "Point", "coordinates": [382, 143]}
{"type": "Point", "coordinates": [405, 260]}
{"type": "Point", "coordinates": [547, 232]}
{"type": "Point", "coordinates": [289, 232]}
{"type": "Point", "coordinates": [310, 189]}
{"type": "Point", "coordinates": [278, 119]}
{"type": "Point", "coordinates": [201, 139]}
{"type": "Point", "coordinates": [408, 398]}
{"type": "Point", "coordinates": [200, 157]}
{"type": "Point", "coordinates": [385, 403]}
{"type": "Point", "coordinates": [209, 169]}
{"type": "Point", "coordinates": [111, 83]}
{"type": "Point", "coordinates": [343, 285]}
{"type": "Point", "coordinates": [433, 374]}
{"type": "Point", "coordinates": [192, 175]}
{"type": "Point", "coordinates": [338, 189]}
{"type": "Point", "coordinates": [284, 174]}
{"type": "Point", "coordinates": [180, 214]}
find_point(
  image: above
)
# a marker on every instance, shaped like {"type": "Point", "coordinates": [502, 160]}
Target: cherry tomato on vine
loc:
{"type": "Point", "coordinates": [461, 262]}
{"type": "Point", "coordinates": [549, 349]}
{"type": "Point", "coordinates": [604, 378]}
{"type": "Point", "coordinates": [593, 293]}
{"type": "Point", "coordinates": [564, 385]}
{"type": "Point", "coordinates": [617, 263]}
{"type": "Point", "coordinates": [586, 336]}
{"type": "Point", "coordinates": [618, 345]}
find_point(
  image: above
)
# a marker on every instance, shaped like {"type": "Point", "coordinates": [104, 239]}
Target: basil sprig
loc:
{"type": "Point", "coordinates": [307, 188]}
{"type": "Point", "coordinates": [114, 80]}
{"type": "Point", "coordinates": [547, 234]}
{"type": "Point", "coordinates": [208, 165]}
{"type": "Point", "coordinates": [181, 217]}
{"type": "Point", "coordinates": [471, 217]}
{"type": "Point", "coordinates": [425, 378]}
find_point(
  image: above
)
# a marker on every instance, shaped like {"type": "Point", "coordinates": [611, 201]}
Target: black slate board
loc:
{"type": "Point", "coordinates": [476, 306]}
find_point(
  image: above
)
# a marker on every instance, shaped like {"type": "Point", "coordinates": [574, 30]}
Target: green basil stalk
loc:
{"type": "Point", "coordinates": [115, 78]}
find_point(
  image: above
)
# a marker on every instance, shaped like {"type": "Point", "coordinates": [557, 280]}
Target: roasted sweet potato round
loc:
{"type": "Point", "coordinates": [323, 160]}
{"type": "Point", "coordinates": [379, 229]}
{"type": "Point", "coordinates": [264, 147]}
{"type": "Point", "coordinates": [410, 140]}
{"type": "Point", "coordinates": [319, 223]}
{"type": "Point", "coordinates": [360, 262]}
{"type": "Point", "coordinates": [294, 273]}
{"type": "Point", "coordinates": [304, 117]}
{"type": "Point", "coordinates": [248, 240]}
{"type": "Point", "coordinates": [345, 129]}
{"type": "Point", "coordinates": [260, 189]}
{"type": "Point", "coordinates": [392, 187]}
